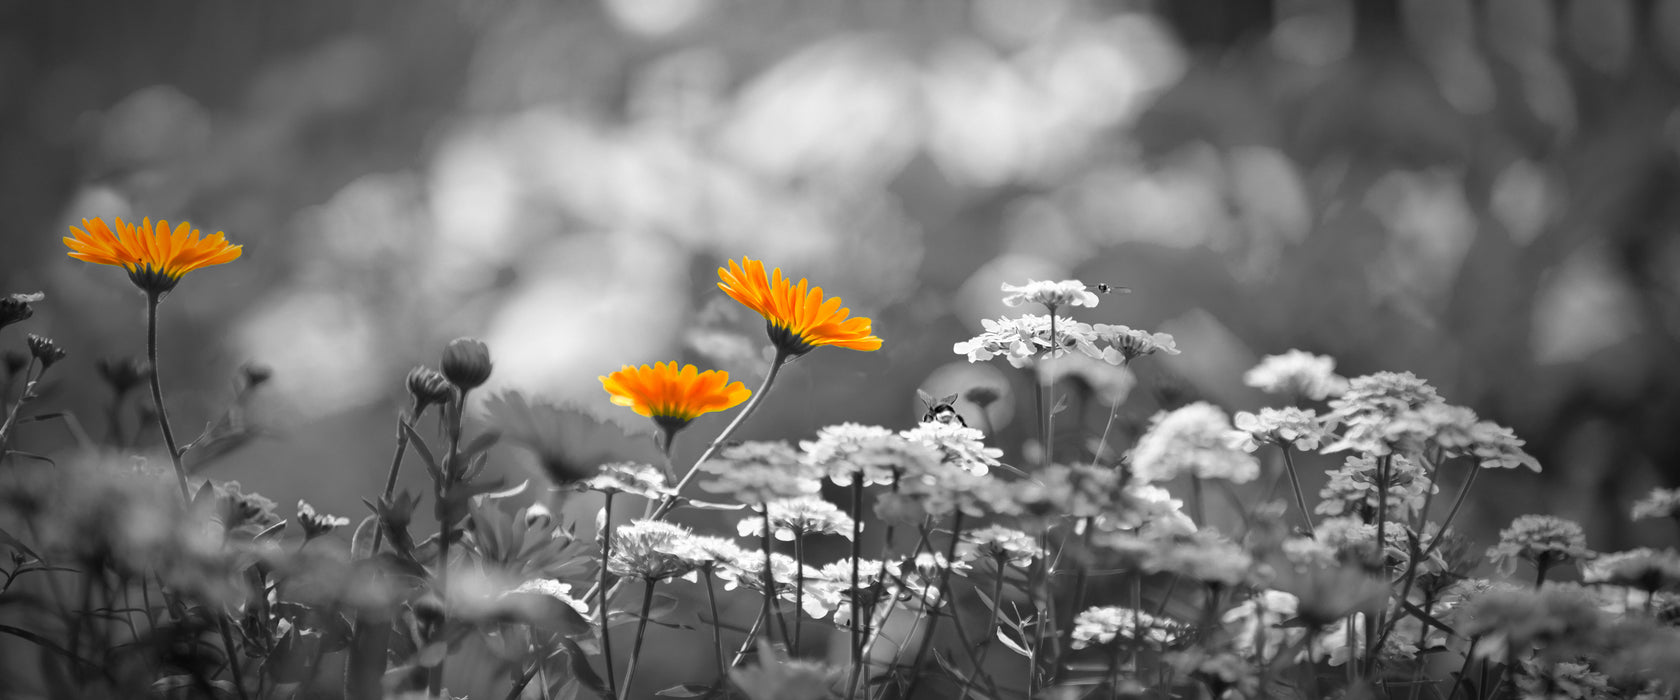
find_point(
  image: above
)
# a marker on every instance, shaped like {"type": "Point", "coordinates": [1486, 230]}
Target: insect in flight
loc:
{"type": "Point", "coordinates": [1106, 288]}
{"type": "Point", "coordinates": [941, 410]}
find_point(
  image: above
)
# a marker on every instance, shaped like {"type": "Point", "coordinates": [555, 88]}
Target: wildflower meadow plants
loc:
{"type": "Point", "coordinates": [1102, 565]}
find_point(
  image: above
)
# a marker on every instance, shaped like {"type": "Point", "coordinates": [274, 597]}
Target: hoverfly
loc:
{"type": "Point", "coordinates": [942, 410]}
{"type": "Point", "coordinates": [1106, 288]}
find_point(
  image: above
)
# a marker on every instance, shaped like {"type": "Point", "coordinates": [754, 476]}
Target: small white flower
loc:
{"type": "Point", "coordinates": [1299, 373]}
{"type": "Point", "coordinates": [1660, 503]}
{"type": "Point", "coordinates": [1053, 295]}
{"type": "Point", "coordinates": [1196, 439]}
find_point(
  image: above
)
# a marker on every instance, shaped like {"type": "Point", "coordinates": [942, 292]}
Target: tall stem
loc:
{"type": "Point", "coordinates": [772, 607]}
{"type": "Point", "coordinates": [603, 594]}
{"type": "Point", "coordinates": [1050, 389]}
{"type": "Point", "coordinates": [1385, 466]}
{"type": "Point", "coordinates": [798, 591]}
{"type": "Point", "coordinates": [670, 501]}
{"type": "Point", "coordinates": [991, 629]}
{"type": "Point", "coordinates": [944, 599]}
{"type": "Point", "coordinates": [1457, 503]}
{"type": "Point", "coordinates": [391, 476]}
{"type": "Point", "coordinates": [641, 630]}
{"type": "Point", "coordinates": [446, 529]}
{"type": "Point", "coordinates": [857, 599]}
{"type": "Point", "coordinates": [717, 623]}
{"type": "Point", "coordinates": [1295, 483]}
{"type": "Point", "coordinates": [152, 300]}
{"type": "Point", "coordinates": [28, 391]}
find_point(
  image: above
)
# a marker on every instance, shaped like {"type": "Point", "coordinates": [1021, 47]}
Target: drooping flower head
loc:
{"type": "Point", "coordinates": [671, 396]}
{"type": "Point", "coordinates": [795, 315]}
{"type": "Point", "coordinates": [156, 257]}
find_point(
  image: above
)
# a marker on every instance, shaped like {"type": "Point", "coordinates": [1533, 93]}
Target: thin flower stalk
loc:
{"type": "Point", "coordinates": [1080, 576]}
{"type": "Point", "coordinates": [1385, 468]}
{"type": "Point", "coordinates": [1295, 485]}
{"type": "Point", "coordinates": [857, 554]}
{"type": "Point", "coordinates": [28, 393]}
{"type": "Point", "coordinates": [641, 630]}
{"type": "Point", "coordinates": [944, 599]}
{"type": "Point", "coordinates": [717, 622]}
{"type": "Point", "coordinates": [753, 403]}
{"type": "Point", "coordinates": [434, 678]}
{"type": "Point", "coordinates": [604, 594]}
{"type": "Point", "coordinates": [798, 590]}
{"type": "Point", "coordinates": [152, 299]}
{"type": "Point", "coordinates": [1453, 512]}
{"type": "Point", "coordinates": [986, 644]}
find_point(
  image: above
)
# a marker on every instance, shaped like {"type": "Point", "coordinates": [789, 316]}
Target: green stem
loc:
{"type": "Point", "coordinates": [855, 628]}
{"type": "Point", "coordinates": [772, 606]}
{"type": "Point", "coordinates": [944, 599]}
{"type": "Point", "coordinates": [23, 398]}
{"type": "Point", "coordinates": [670, 501]}
{"type": "Point", "coordinates": [232, 656]}
{"type": "Point", "coordinates": [603, 594]}
{"type": "Point", "coordinates": [798, 591]}
{"type": "Point", "coordinates": [1385, 466]}
{"type": "Point", "coordinates": [991, 631]}
{"type": "Point", "coordinates": [391, 476]}
{"type": "Point", "coordinates": [1196, 500]}
{"type": "Point", "coordinates": [641, 630]}
{"type": "Point", "coordinates": [434, 679]}
{"type": "Point", "coordinates": [1295, 483]}
{"type": "Point", "coordinates": [152, 300]}
{"type": "Point", "coordinates": [717, 623]}
{"type": "Point", "coordinates": [1453, 513]}
{"type": "Point", "coordinates": [1050, 389]}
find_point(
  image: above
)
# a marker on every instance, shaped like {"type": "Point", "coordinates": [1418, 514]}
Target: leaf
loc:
{"type": "Point", "coordinates": [481, 443]}
{"type": "Point", "coordinates": [686, 690]}
{"type": "Point", "coordinates": [271, 531]}
{"type": "Point", "coordinates": [425, 453]}
{"type": "Point", "coordinates": [361, 543]}
{"type": "Point", "coordinates": [30, 455]}
{"type": "Point", "coordinates": [581, 670]}
{"type": "Point", "coordinates": [1427, 618]}
{"type": "Point", "coordinates": [7, 539]}
{"type": "Point", "coordinates": [1012, 645]}
{"type": "Point", "coordinates": [685, 502]}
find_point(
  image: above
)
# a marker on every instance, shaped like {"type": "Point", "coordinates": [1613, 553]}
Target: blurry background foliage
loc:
{"type": "Point", "coordinates": [1483, 192]}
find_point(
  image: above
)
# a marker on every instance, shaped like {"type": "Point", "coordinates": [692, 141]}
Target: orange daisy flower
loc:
{"type": "Point", "coordinates": [156, 258]}
{"type": "Point", "coordinates": [670, 396]}
{"type": "Point", "coordinates": [796, 316]}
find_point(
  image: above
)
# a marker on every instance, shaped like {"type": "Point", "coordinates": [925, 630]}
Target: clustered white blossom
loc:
{"type": "Point", "coordinates": [1197, 440]}
{"type": "Point", "coordinates": [794, 518]}
{"type": "Point", "coordinates": [1660, 503]}
{"type": "Point", "coordinates": [1050, 294]}
{"type": "Point", "coordinates": [1298, 428]}
{"type": "Point", "coordinates": [1297, 373]}
{"type": "Point", "coordinates": [634, 478]}
{"type": "Point", "coordinates": [1352, 489]}
{"type": "Point", "coordinates": [757, 472]}
{"type": "Point", "coordinates": [1540, 539]}
{"type": "Point", "coordinates": [1102, 624]}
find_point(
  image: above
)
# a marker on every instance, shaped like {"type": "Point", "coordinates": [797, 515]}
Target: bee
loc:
{"type": "Point", "coordinates": [942, 410]}
{"type": "Point", "coordinates": [1106, 288]}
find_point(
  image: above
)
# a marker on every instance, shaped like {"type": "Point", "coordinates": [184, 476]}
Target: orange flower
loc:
{"type": "Point", "coordinates": [673, 397]}
{"type": "Point", "coordinates": [156, 258]}
{"type": "Point", "coordinates": [797, 318]}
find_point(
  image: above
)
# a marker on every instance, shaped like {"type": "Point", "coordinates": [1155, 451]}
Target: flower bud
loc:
{"type": "Point", "coordinates": [315, 523]}
{"type": "Point", "coordinates": [15, 307]}
{"type": "Point", "coordinates": [428, 386]}
{"type": "Point", "coordinates": [45, 350]}
{"type": "Point", "coordinates": [466, 362]}
{"type": "Point", "coordinates": [122, 374]}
